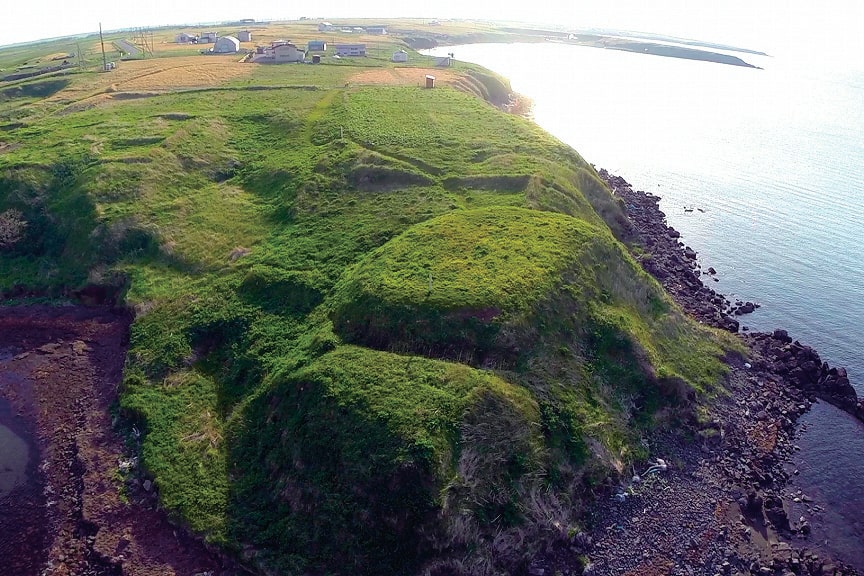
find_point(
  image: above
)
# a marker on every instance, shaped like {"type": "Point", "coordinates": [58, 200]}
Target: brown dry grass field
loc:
{"type": "Point", "coordinates": [154, 75]}
{"type": "Point", "coordinates": [162, 74]}
{"type": "Point", "coordinates": [403, 76]}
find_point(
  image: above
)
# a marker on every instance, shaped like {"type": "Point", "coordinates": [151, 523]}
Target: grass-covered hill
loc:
{"type": "Point", "coordinates": [379, 329]}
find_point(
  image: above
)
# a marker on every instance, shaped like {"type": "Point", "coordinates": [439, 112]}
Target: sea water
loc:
{"type": "Point", "coordinates": [762, 171]}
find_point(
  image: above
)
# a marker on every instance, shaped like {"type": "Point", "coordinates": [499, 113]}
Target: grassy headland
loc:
{"type": "Point", "coordinates": [378, 328]}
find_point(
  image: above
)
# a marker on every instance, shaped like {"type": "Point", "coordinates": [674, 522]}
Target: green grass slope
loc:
{"type": "Point", "coordinates": [475, 284]}
{"type": "Point", "coordinates": [378, 329]}
{"type": "Point", "coordinates": [371, 447]}
{"type": "Point", "coordinates": [551, 300]}
{"type": "Point", "coordinates": [453, 284]}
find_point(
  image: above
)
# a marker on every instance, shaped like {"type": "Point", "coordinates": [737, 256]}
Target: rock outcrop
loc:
{"type": "Point", "coordinates": [675, 265]}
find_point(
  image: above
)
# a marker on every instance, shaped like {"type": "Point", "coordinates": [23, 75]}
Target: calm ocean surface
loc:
{"type": "Point", "coordinates": [775, 158]}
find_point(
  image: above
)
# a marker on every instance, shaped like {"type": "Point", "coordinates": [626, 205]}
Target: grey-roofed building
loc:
{"type": "Point", "coordinates": [351, 49]}
{"type": "Point", "coordinates": [226, 45]}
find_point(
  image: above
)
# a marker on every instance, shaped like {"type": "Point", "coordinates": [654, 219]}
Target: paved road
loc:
{"type": "Point", "coordinates": [127, 47]}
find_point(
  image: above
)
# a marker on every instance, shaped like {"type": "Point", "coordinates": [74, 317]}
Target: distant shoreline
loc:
{"type": "Point", "coordinates": [681, 52]}
{"type": "Point", "coordinates": [636, 43]}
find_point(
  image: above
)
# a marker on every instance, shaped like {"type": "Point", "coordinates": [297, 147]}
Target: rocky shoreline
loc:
{"type": "Point", "coordinates": [672, 263]}
{"type": "Point", "coordinates": [719, 505]}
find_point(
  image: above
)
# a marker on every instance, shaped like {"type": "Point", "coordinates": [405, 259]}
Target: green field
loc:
{"type": "Point", "coordinates": [378, 328]}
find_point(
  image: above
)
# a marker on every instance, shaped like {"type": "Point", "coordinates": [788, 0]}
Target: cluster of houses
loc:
{"type": "Point", "coordinates": [284, 51]}
{"type": "Point", "coordinates": [371, 30]}
{"type": "Point", "coordinates": [246, 35]}
{"type": "Point", "coordinates": [221, 44]}
{"type": "Point", "coordinates": [203, 38]}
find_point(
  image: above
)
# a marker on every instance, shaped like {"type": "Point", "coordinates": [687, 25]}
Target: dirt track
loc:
{"type": "Point", "coordinates": [59, 371]}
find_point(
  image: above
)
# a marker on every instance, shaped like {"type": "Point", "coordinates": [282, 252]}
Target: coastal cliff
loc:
{"type": "Point", "coordinates": [727, 504]}
{"type": "Point", "coordinates": [376, 328]}
{"type": "Point", "coordinates": [382, 329]}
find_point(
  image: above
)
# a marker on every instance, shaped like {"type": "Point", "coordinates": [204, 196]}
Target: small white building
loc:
{"type": "Point", "coordinates": [244, 36]}
{"type": "Point", "coordinates": [287, 52]}
{"type": "Point", "coordinates": [184, 38]}
{"type": "Point", "coordinates": [377, 30]}
{"type": "Point", "coordinates": [226, 45]}
{"type": "Point", "coordinates": [444, 62]}
{"type": "Point", "coordinates": [350, 50]}
{"type": "Point", "coordinates": [400, 56]}
{"type": "Point", "coordinates": [325, 27]}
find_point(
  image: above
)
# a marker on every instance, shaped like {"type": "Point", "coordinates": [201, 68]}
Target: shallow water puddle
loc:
{"type": "Point", "coordinates": [830, 467]}
{"type": "Point", "coordinates": [14, 450]}
{"type": "Point", "coordinates": [14, 456]}
{"type": "Point", "coordinates": [23, 527]}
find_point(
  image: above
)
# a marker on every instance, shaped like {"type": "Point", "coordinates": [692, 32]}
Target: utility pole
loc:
{"type": "Point", "coordinates": [102, 41]}
{"type": "Point", "coordinates": [80, 61]}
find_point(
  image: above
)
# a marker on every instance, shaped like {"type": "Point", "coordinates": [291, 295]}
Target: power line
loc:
{"type": "Point", "coordinates": [104, 58]}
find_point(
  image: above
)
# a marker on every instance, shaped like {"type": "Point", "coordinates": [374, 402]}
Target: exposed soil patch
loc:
{"type": "Point", "coordinates": [6, 147]}
{"type": "Point", "coordinates": [77, 515]}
